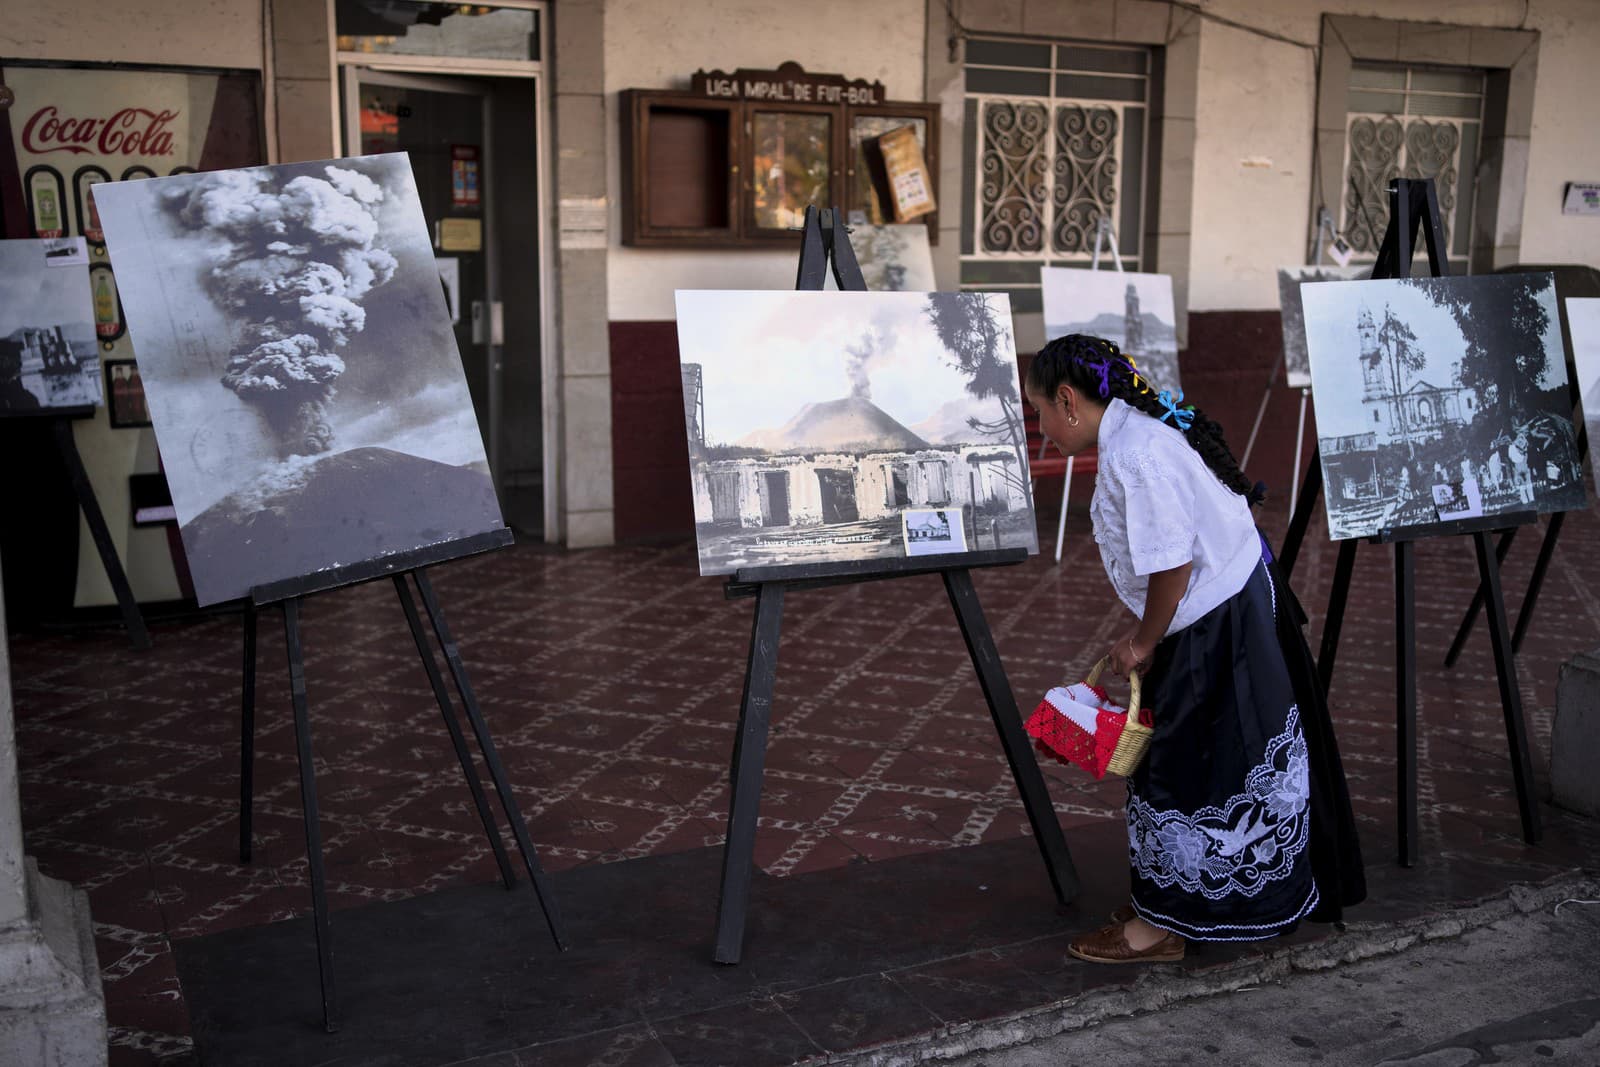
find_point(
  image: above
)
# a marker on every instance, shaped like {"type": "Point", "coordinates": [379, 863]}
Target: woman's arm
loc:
{"type": "Point", "coordinates": [1161, 601]}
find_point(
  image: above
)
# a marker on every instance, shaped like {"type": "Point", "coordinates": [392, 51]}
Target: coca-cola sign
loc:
{"type": "Point", "coordinates": [130, 131]}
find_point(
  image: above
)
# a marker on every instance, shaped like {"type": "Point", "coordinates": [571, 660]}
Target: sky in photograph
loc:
{"type": "Point", "coordinates": [1073, 296]}
{"type": "Point", "coordinates": [766, 354]}
{"type": "Point", "coordinates": [1332, 313]}
{"type": "Point", "coordinates": [33, 294]}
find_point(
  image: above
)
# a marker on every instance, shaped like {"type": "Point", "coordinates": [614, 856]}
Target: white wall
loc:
{"type": "Point", "coordinates": [652, 45]}
{"type": "Point", "coordinates": [1254, 122]}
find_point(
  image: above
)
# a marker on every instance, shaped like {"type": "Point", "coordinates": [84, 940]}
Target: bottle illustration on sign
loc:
{"type": "Point", "coordinates": [91, 225]}
{"type": "Point", "coordinates": [45, 199]}
{"type": "Point", "coordinates": [107, 323]}
{"type": "Point", "coordinates": [83, 183]}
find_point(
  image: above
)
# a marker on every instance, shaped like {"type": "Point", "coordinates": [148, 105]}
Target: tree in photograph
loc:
{"type": "Point", "coordinates": [1506, 358]}
{"type": "Point", "coordinates": [1397, 346]}
{"type": "Point", "coordinates": [973, 333]}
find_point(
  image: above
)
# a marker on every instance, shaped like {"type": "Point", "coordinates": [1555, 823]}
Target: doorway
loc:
{"type": "Point", "coordinates": [838, 488]}
{"type": "Point", "coordinates": [474, 144]}
{"type": "Point", "coordinates": [775, 498]}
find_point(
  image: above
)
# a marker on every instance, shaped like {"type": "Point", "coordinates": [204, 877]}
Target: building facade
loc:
{"type": "Point", "coordinates": [1214, 142]}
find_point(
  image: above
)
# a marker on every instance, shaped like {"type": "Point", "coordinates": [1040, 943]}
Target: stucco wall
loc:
{"type": "Point", "coordinates": [211, 33]}
{"type": "Point", "coordinates": [1254, 122]}
{"type": "Point", "coordinates": [649, 45]}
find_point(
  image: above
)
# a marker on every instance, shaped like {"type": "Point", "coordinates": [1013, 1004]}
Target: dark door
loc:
{"type": "Point", "coordinates": [775, 508]}
{"type": "Point", "coordinates": [838, 496]}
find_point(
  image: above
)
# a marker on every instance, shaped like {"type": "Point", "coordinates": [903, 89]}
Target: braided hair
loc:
{"type": "Point", "coordinates": [1098, 369]}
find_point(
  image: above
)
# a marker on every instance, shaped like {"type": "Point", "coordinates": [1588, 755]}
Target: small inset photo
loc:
{"type": "Point", "coordinates": [125, 401]}
{"type": "Point", "coordinates": [1458, 500]}
{"type": "Point", "coordinates": [932, 532]}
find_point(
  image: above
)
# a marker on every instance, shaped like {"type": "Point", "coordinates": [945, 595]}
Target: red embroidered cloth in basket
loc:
{"type": "Point", "coordinates": [1081, 724]}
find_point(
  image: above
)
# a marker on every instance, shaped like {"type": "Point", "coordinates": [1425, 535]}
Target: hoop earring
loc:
{"type": "Point", "coordinates": [1072, 420]}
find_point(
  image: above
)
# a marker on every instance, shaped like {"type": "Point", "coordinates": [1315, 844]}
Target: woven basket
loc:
{"type": "Point", "coordinates": [1134, 741]}
{"type": "Point", "coordinates": [1081, 725]}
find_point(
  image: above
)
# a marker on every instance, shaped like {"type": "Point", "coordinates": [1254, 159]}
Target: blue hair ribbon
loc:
{"type": "Point", "coordinates": [1182, 417]}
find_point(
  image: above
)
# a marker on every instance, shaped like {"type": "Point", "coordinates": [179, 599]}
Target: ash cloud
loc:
{"type": "Point", "coordinates": [298, 263]}
{"type": "Point", "coordinates": [859, 357]}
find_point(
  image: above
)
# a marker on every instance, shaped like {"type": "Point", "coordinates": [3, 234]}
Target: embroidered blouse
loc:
{"type": "Point", "coordinates": [1158, 506]}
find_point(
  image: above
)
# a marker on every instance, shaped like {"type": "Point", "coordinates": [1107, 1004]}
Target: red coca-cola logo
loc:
{"type": "Point", "coordinates": [132, 131]}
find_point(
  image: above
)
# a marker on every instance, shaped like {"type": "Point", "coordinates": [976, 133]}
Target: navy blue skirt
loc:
{"type": "Point", "coordinates": [1231, 802]}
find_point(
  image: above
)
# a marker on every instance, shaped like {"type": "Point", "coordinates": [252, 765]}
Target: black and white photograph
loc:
{"type": "Point", "coordinates": [48, 354]}
{"type": "Point", "coordinates": [1423, 382]}
{"type": "Point", "coordinates": [1583, 322]}
{"type": "Point", "coordinates": [1133, 310]}
{"type": "Point", "coordinates": [1458, 500]}
{"type": "Point", "coordinates": [299, 367]}
{"type": "Point", "coordinates": [894, 258]}
{"type": "Point", "coordinates": [860, 407]}
{"type": "Point", "coordinates": [932, 531]}
{"type": "Point", "coordinates": [1296, 365]}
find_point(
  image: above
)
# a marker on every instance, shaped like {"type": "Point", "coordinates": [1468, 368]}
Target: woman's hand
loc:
{"type": "Point", "coordinates": [1127, 654]}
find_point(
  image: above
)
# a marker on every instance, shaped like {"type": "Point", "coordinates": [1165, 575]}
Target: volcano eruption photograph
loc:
{"type": "Point", "coordinates": [815, 419]}
{"type": "Point", "coordinates": [300, 367]}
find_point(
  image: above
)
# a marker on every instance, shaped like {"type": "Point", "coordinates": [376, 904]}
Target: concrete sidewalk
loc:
{"type": "Point", "coordinates": [1523, 988]}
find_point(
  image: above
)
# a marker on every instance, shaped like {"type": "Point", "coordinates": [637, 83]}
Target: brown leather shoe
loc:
{"type": "Point", "coordinates": [1124, 914]}
{"type": "Point", "coordinates": [1109, 945]}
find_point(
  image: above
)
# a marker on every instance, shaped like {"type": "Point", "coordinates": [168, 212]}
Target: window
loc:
{"type": "Point", "coordinates": [1411, 122]}
{"type": "Point", "coordinates": [421, 28]}
{"type": "Point", "coordinates": [1056, 138]}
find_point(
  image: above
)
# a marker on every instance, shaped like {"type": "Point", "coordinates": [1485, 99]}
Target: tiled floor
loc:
{"type": "Point", "coordinates": [612, 678]}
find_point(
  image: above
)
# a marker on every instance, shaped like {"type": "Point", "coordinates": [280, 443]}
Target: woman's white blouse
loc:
{"type": "Point", "coordinates": [1158, 506]}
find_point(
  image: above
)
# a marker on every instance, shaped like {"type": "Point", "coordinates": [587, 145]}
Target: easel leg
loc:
{"type": "Point", "coordinates": [1299, 450]}
{"type": "Point", "coordinates": [1547, 549]}
{"type": "Point", "coordinates": [1470, 619]}
{"type": "Point", "coordinates": [67, 444]}
{"type": "Point", "coordinates": [1505, 669]}
{"type": "Point", "coordinates": [247, 735]}
{"type": "Point", "coordinates": [1333, 622]}
{"type": "Point", "coordinates": [491, 759]}
{"type": "Point", "coordinates": [1061, 523]}
{"type": "Point", "coordinates": [308, 802]}
{"type": "Point", "coordinates": [1302, 515]}
{"type": "Point", "coordinates": [1008, 723]}
{"type": "Point", "coordinates": [1261, 412]}
{"type": "Point", "coordinates": [1405, 677]}
{"type": "Point", "coordinates": [748, 766]}
{"type": "Point", "coordinates": [457, 739]}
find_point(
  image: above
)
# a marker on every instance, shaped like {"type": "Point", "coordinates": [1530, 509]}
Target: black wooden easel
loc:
{"type": "Point", "coordinates": [1412, 202]}
{"type": "Point", "coordinates": [61, 420]}
{"type": "Point", "coordinates": [403, 568]}
{"type": "Point", "coordinates": [824, 237]}
{"type": "Point", "coordinates": [1530, 599]}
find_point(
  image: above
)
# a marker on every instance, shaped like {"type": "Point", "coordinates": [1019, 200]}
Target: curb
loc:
{"type": "Point", "coordinates": [1165, 985]}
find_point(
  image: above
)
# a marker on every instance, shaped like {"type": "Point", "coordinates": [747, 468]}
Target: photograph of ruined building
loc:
{"type": "Point", "coordinates": [48, 354]}
{"type": "Point", "coordinates": [1583, 321]}
{"type": "Point", "coordinates": [816, 419]}
{"type": "Point", "coordinates": [894, 258]}
{"type": "Point", "coordinates": [1296, 364]}
{"type": "Point", "coordinates": [1132, 310]}
{"type": "Point", "coordinates": [1424, 382]}
{"type": "Point", "coordinates": [300, 367]}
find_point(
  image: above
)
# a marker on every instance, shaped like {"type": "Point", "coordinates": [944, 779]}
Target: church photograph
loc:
{"type": "Point", "coordinates": [1456, 382]}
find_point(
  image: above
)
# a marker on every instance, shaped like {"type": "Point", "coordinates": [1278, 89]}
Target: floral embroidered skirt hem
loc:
{"type": "Point", "coordinates": [1219, 812]}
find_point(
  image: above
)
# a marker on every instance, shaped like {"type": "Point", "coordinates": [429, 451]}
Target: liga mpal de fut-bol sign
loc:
{"type": "Point", "coordinates": [788, 84]}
